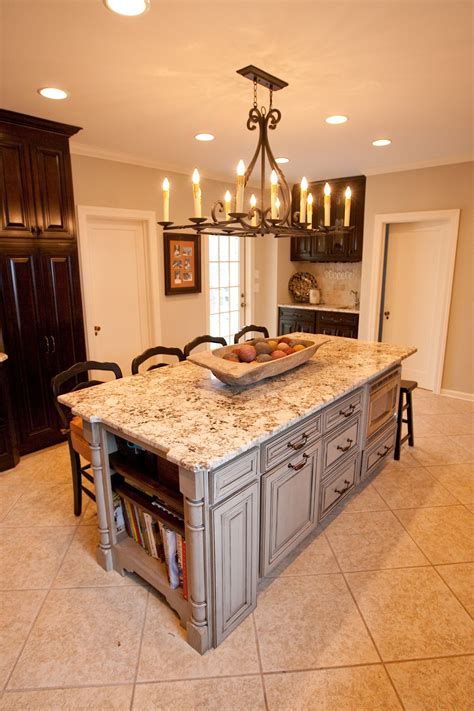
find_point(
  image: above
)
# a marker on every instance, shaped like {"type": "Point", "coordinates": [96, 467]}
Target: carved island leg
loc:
{"type": "Point", "coordinates": [104, 550]}
{"type": "Point", "coordinates": [192, 487]}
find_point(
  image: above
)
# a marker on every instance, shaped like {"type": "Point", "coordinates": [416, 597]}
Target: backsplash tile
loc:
{"type": "Point", "coordinates": [336, 280]}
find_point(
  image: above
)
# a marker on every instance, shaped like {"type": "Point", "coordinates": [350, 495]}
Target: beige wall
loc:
{"type": "Point", "coordinates": [439, 188]}
{"type": "Point", "coordinates": [108, 183]}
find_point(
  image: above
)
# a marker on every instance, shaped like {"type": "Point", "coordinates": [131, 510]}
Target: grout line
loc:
{"type": "Point", "coordinates": [48, 590]}
{"type": "Point", "coordinates": [354, 600]}
{"type": "Point", "coordinates": [453, 592]}
{"type": "Point", "coordinates": [392, 684]}
{"type": "Point", "coordinates": [139, 650]}
{"type": "Point", "coordinates": [262, 678]}
{"type": "Point", "coordinates": [239, 676]}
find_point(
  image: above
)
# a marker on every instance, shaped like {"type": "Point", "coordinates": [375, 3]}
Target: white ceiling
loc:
{"type": "Point", "coordinates": [142, 87]}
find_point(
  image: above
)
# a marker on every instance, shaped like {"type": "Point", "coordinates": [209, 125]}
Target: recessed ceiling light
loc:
{"type": "Point", "coordinates": [130, 8]}
{"type": "Point", "coordinates": [204, 137]}
{"type": "Point", "coordinates": [50, 92]}
{"type": "Point", "coordinates": [336, 119]}
{"type": "Point", "coordinates": [382, 142]}
{"type": "Point", "coordinates": [282, 160]}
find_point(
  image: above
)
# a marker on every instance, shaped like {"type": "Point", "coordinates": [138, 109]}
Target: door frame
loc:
{"type": "Point", "coordinates": [147, 218]}
{"type": "Point", "coordinates": [373, 272]}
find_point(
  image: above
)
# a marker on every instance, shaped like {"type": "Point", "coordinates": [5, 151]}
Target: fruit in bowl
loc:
{"type": "Point", "coordinates": [261, 350]}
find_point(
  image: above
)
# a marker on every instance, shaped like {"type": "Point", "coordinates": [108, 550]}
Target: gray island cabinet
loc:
{"type": "Point", "coordinates": [257, 469]}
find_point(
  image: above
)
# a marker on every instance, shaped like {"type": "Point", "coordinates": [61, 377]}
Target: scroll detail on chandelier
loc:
{"type": "Point", "coordinates": [280, 218]}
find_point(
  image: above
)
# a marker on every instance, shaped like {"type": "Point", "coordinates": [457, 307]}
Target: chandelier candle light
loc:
{"type": "Point", "coordinates": [327, 205]}
{"type": "Point", "coordinates": [280, 218]}
{"type": "Point", "coordinates": [347, 207]}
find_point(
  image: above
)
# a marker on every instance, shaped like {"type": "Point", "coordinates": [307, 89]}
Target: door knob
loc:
{"type": "Point", "coordinates": [96, 330]}
{"type": "Point", "coordinates": [386, 314]}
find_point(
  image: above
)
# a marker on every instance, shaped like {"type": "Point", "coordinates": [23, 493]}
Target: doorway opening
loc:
{"type": "Point", "coordinates": [411, 276]}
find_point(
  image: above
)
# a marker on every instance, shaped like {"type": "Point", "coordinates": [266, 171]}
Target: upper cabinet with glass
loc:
{"type": "Point", "coordinates": [333, 246]}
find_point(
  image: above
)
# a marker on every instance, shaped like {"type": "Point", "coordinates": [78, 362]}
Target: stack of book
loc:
{"type": "Point", "coordinates": [153, 517]}
{"type": "Point", "coordinates": [158, 539]}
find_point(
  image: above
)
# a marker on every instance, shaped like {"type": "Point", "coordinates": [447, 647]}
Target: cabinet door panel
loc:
{"type": "Point", "coordinates": [289, 510]}
{"type": "Point", "coordinates": [235, 538]}
{"type": "Point", "coordinates": [53, 189]}
{"type": "Point", "coordinates": [29, 352]}
{"type": "Point", "coordinates": [17, 212]}
{"type": "Point", "coordinates": [66, 332]}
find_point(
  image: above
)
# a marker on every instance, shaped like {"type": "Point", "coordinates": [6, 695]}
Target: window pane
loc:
{"type": "Point", "coordinates": [234, 249]}
{"type": "Point", "coordinates": [223, 248]}
{"type": "Point", "coordinates": [234, 273]}
{"type": "Point", "coordinates": [234, 321]}
{"type": "Point", "coordinates": [214, 300]}
{"type": "Point", "coordinates": [224, 274]}
{"type": "Point", "coordinates": [213, 248]}
{"type": "Point", "coordinates": [224, 299]}
{"type": "Point", "coordinates": [213, 274]}
{"type": "Point", "coordinates": [234, 298]}
{"type": "Point", "coordinates": [214, 322]}
{"type": "Point", "coordinates": [224, 323]}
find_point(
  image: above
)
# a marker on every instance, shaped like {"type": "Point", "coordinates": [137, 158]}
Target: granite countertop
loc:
{"type": "Point", "coordinates": [199, 423]}
{"type": "Point", "coordinates": [3, 356]}
{"type": "Point", "coordinates": [320, 307]}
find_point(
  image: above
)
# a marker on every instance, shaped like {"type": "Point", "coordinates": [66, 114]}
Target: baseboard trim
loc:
{"type": "Point", "coordinates": [458, 394]}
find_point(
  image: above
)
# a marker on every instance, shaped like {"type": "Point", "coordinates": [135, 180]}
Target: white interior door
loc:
{"type": "Point", "coordinates": [414, 260]}
{"type": "Point", "coordinates": [116, 289]}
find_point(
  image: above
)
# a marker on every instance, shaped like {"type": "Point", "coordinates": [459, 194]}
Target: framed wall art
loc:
{"type": "Point", "coordinates": [182, 264]}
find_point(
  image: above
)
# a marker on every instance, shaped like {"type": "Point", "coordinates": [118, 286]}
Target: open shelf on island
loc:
{"type": "Point", "coordinates": [140, 479]}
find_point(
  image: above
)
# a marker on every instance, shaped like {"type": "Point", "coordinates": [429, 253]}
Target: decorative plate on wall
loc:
{"type": "Point", "coordinates": [300, 285]}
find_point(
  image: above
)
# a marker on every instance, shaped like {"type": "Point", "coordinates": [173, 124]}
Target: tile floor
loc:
{"type": "Point", "coordinates": [374, 612]}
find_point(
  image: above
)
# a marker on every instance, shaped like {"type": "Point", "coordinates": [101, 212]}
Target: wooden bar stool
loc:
{"type": "Point", "coordinates": [406, 389]}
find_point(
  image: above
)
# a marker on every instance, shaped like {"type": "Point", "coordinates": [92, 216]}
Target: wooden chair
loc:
{"type": "Point", "coordinates": [202, 339]}
{"type": "Point", "coordinates": [251, 329]}
{"type": "Point", "coordinates": [73, 426]}
{"type": "Point", "coordinates": [154, 351]}
{"type": "Point", "coordinates": [406, 389]}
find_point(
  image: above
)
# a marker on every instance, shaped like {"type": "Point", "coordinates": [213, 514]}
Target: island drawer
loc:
{"type": "Point", "coordinates": [336, 487]}
{"type": "Point", "coordinates": [340, 442]}
{"type": "Point", "coordinates": [232, 476]}
{"type": "Point", "coordinates": [342, 410]}
{"type": "Point", "coordinates": [379, 451]}
{"type": "Point", "coordinates": [287, 443]}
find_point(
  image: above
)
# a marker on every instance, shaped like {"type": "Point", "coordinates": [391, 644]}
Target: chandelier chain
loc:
{"type": "Point", "coordinates": [255, 102]}
{"type": "Point", "coordinates": [271, 98]}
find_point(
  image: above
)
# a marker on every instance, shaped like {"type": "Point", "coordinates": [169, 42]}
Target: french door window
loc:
{"type": "Point", "coordinates": [225, 286]}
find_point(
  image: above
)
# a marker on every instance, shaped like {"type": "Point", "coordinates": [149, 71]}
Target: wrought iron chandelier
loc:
{"type": "Point", "coordinates": [280, 218]}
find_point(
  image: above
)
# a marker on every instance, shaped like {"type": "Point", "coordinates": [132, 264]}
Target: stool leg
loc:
{"type": "Point", "coordinates": [411, 439]}
{"type": "Point", "coordinates": [76, 480]}
{"type": "Point", "coordinates": [396, 453]}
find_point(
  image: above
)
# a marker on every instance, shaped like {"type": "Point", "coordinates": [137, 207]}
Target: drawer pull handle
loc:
{"type": "Point", "coordinates": [350, 442]}
{"type": "Point", "coordinates": [300, 444]}
{"type": "Point", "coordinates": [299, 466]}
{"type": "Point", "coordinates": [349, 411]}
{"type": "Point", "coordinates": [385, 450]}
{"type": "Point", "coordinates": [343, 491]}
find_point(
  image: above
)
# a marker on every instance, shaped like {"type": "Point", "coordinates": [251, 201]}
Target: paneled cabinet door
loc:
{"type": "Point", "coordinates": [25, 330]}
{"type": "Point", "coordinates": [17, 217]}
{"type": "Point", "coordinates": [289, 509]}
{"type": "Point", "coordinates": [52, 182]}
{"type": "Point", "coordinates": [235, 536]}
{"type": "Point", "coordinates": [61, 287]}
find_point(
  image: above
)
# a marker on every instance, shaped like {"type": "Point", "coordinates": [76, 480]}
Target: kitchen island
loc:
{"type": "Point", "coordinates": [256, 469]}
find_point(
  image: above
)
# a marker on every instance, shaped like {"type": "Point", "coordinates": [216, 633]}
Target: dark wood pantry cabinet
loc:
{"type": "Point", "coordinates": [40, 308]}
